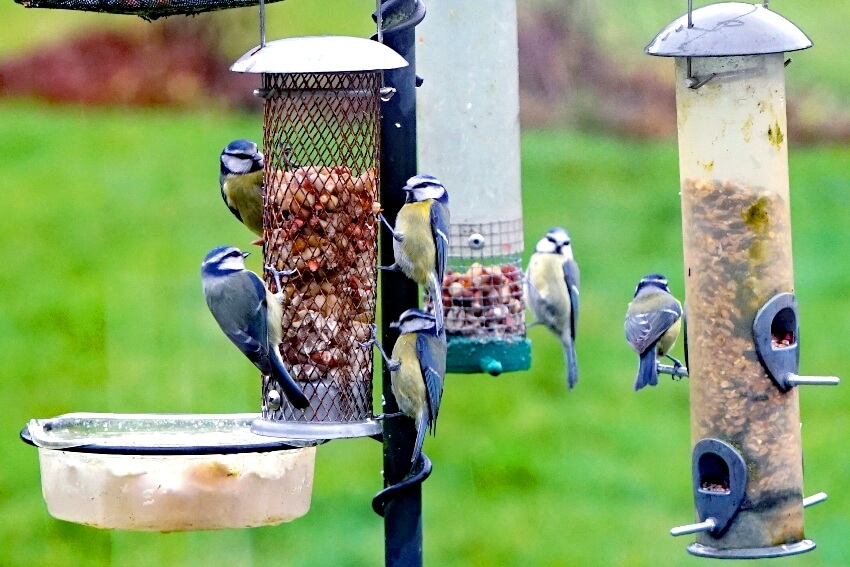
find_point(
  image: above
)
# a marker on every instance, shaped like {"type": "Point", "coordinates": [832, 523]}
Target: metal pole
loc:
{"type": "Point", "coordinates": [402, 514]}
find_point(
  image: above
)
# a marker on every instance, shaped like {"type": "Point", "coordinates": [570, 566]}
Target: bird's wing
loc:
{"type": "Point", "coordinates": [571, 278]}
{"type": "Point", "coordinates": [644, 329]}
{"type": "Point", "coordinates": [226, 198]}
{"type": "Point", "coordinates": [433, 368]}
{"type": "Point", "coordinates": [250, 332]}
{"type": "Point", "coordinates": [440, 228]}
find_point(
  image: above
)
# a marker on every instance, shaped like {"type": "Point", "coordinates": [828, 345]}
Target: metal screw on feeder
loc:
{"type": "Point", "coordinates": [321, 134]}
{"type": "Point", "coordinates": [730, 93]}
{"type": "Point", "coordinates": [468, 116]}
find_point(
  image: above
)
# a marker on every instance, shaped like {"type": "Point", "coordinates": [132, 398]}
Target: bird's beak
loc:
{"type": "Point", "coordinates": [394, 325]}
{"type": "Point", "coordinates": [245, 254]}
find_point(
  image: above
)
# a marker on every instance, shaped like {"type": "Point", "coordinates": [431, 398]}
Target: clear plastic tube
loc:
{"type": "Point", "coordinates": [737, 247]}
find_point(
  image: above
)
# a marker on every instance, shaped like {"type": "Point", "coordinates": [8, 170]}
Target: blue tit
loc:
{"type": "Point", "coordinates": [420, 237]}
{"type": "Point", "coordinates": [249, 314]}
{"type": "Point", "coordinates": [241, 183]}
{"type": "Point", "coordinates": [417, 369]}
{"type": "Point", "coordinates": [652, 325]}
{"type": "Point", "coordinates": [552, 290]}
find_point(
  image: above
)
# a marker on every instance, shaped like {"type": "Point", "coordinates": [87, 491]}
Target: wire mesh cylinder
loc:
{"type": "Point", "coordinates": [321, 141]}
{"type": "Point", "coordinates": [482, 298]}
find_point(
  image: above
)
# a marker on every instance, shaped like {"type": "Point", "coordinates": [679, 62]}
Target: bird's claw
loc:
{"type": "Point", "coordinates": [374, 338]}
{"type": "Point", "coordinates": [277, 274]}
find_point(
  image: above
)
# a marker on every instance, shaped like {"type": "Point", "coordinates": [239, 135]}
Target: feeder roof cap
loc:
{"type": "Point", "coordinates": [322, 54]}
{"type": "Point", "coordinates": [728, 29]}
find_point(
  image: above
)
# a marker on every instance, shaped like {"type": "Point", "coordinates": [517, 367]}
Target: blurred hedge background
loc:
{"type": "Point", "coordinates": [110, 130]}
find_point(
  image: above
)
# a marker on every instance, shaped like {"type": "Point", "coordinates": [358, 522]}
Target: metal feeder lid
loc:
{"type": "Point", "coordinates": [322, 54]}
{"type": "Point", "coordinates": [728, 29]}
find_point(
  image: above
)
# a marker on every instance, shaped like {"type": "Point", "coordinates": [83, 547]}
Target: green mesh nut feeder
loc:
{"type": "Point", "coordinates": [468, 131]}
{"type": "Point", "coordinates": [742, 324]}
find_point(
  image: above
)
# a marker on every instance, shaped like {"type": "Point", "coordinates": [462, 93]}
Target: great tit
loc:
{"type": "Point", "coordinates": [421, 237]}
{"type": "Point", "coordinates": [417, 369]}
{"type": "Point", "coordinates": [553, 283]}
{"type": "Point", "coordinates": [652, 325]}
{"type": "Point", "coordinates": [241, 181]}
{"type": "Point", "coordinates": [249, 314]}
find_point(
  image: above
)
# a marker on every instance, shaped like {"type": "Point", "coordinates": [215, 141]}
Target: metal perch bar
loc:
{"type": "Point", "coordinates": [680, 371]}
{"type": "Point", "coordinates": [706, 526]}
{"type": "Point", "coordinates": [795, 380]}
{"type": "Point", "coordinates": [814, 499]}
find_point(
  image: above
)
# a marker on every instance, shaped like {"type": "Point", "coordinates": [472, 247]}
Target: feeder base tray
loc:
{"type": "Point", "coordinates": [490, 356]}
{"type": "Point", "coordinates": [753, 553]}
{"type": "Point", "coordinates": [170, 472]}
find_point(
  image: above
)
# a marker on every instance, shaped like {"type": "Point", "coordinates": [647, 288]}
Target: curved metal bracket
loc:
{"type": "Point", "coordinates": [381, 499]}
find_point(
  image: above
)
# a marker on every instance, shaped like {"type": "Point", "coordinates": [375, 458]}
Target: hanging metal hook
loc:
{"type": "Point", "coordinates": [262, 24]}
{"type": "Point", "coordinates": [379, 19]}
{"type": "Point", "coordinates": [693, 82]}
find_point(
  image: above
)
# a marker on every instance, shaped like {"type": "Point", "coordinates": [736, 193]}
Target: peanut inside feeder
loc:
{"type": "Point", "coordinates": [321, 172]}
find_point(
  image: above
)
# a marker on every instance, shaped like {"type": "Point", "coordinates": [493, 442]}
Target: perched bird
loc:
{"type": "Point", "coordinates": [652, 325]}
{"type": "Point", "coordinates": [553, 282]}
{"type": "Point", "coordinates": [420, 237]}
{"type": "Point", "coordinates": [241, 183]}
{"type": "Point", "coordinates": [417, 369]}
{"type": "Point", "coordinates": [249, 314]}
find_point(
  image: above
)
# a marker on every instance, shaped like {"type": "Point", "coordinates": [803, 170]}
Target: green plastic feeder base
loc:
{"type": "Point", "coordinates": [491, 356]}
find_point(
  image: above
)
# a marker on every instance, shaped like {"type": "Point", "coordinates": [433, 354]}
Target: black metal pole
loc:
{"type": "Point", "coordinates": [403, 513]}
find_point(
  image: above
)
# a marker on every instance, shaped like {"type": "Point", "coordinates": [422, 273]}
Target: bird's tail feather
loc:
{"type": "Point", "coordinates": [647, 371]}
{"type": "Point", "coordinates": [421, 427]}
{"type": "Point", "coordinates": [290, 389]}
{"type": "Point", "coordinates": [436, 300]}
{"type": "Point", "coordinates": [570, 359]}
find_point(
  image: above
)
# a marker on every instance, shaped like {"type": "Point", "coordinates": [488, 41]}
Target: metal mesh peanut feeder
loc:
{"type": "Point", "coordinates": [742, 331]}
{"type": "Point", "coordinates": [469, 137]}
{"type": "Point", "coordinates": [321, 142]}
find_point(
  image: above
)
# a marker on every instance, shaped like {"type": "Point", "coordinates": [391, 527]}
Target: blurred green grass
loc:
{"type": "Point", "coordinates": [107, 217]}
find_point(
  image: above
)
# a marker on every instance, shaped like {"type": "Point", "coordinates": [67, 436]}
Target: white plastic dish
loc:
{"type": "Point", "coordinates": [170, 472]}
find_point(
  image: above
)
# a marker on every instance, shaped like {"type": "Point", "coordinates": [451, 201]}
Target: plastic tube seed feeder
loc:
{"type": "Point", "coordinates": [469, 138]}
{"type": "Point", "coordinates": [742, 331]}
{"type": "Point", "coordinates": [321, 134]}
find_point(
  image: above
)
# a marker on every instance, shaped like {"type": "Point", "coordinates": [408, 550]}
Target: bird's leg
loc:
{"type": "Point", "coordinates": [258, 242]}
{"type": "Point", "coordinates": [398, 236]}
{"type": "Point", "coordinates": [392, 268]}
{"type": "Point", "coordinates": [382, 416]}
{"type": "Point", "coordinates": [676, 362]}
{"type": "Point", "coordinates": [277, 274]}
{"type": "Point", "coordinates": [392, 365]}
{"type": "Point", "coordinates": [677, 371]}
